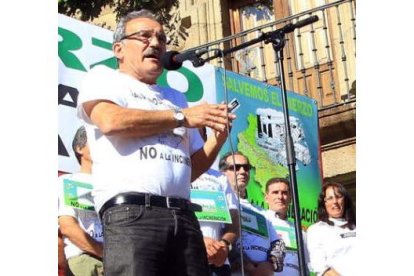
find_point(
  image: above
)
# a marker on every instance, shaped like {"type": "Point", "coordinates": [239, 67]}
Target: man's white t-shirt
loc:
{"type": "Point", "coordinates": [88, 220]}
{"type": "Point", "coordinates": [158, 164]}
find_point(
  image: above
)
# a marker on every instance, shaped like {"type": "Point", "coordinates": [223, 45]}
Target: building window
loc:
{"type": "Point", "coordinates": [307, 41]}
{"type": "Point", "coordinates": [256, 60]}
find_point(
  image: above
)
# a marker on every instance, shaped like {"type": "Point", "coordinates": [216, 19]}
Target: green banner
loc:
{"type": "Point", "coordinates": [259, 133]}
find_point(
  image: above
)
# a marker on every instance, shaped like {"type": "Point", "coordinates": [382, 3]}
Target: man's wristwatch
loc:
{"type": "Point", "coordinates": [179, 117]}
{"type": "Point", "coordinates": [228, 244]}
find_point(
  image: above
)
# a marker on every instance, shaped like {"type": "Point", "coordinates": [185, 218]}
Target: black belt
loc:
{"type": "Point", "coordinates": [150, 200]}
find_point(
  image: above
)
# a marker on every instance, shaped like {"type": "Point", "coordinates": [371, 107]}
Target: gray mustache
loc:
{"type": "Point", "coordinates": [152, 52]}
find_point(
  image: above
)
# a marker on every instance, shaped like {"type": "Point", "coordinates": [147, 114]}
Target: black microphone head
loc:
{"type": "Point", "coordinates": [167, 60]}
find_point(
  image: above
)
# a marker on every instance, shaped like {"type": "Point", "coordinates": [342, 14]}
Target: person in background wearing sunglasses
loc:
{"type": "Point", "coordinates": [146, 151]}
{"type": "Point", "coordinates": [331, 241]}
{"type": "Point", "coordinates": [238, 171]}
{"type": "Point", "coordinates": [218, 237]}
{"type": "Point", "coordinates": [263, 250]}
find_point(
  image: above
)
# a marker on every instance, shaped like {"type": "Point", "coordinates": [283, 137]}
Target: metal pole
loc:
{"type": "Point", "coordinates": [278, 42]}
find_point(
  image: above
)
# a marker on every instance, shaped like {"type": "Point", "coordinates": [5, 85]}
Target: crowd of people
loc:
{"type": "Point", "coordinates": [141, 154]}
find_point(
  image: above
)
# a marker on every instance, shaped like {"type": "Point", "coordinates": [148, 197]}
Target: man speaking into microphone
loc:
{"type": "Point", "coordinates": [146, 149]}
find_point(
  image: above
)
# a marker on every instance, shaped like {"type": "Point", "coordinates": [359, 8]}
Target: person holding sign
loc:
{"type": "Point", "coordinates": [263, 250]}
{"type": "Point", "coordinates": [219, 231]}
{"type": "Point", "coordinates": [219, 220]}
{"type": "Point", "coordinates": [78, 221]}
{"type": "Point", "coordinates": [278, 197]}
{"type": "Point", "coordinates": [331, 240]}
{"type": "Point", "coordinates": [146, 151]}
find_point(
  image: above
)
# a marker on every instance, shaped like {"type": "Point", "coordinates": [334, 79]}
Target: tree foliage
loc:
{"type": "Point", "coordinates": [89, 10]}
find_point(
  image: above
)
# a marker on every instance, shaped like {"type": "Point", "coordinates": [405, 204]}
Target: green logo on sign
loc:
{"type": "Point", "coordinates": [195, 87]}
{"type": "Point", "coordinates": [70, 43]}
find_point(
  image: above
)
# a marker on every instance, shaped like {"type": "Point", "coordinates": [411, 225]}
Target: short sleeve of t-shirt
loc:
{"type": "Point", "coordinates": [99, 84]}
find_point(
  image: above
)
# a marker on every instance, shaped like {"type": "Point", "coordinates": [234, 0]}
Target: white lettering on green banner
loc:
{"type": "Point", "coordinates": [214, 203]}
{"type": "Point", "coordinates": [78, 194]}
{"type": "Point", "coordinates": [254, 222]}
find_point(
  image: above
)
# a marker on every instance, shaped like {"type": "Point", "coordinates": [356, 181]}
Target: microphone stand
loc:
{"type": "Point", "coordinates": [277, 38]}
{"type": "Point", "coordinates": [278, 42]}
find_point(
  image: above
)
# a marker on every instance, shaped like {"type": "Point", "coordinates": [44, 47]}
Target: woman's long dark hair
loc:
{"type": "Point", "coordinates": [349, 211]}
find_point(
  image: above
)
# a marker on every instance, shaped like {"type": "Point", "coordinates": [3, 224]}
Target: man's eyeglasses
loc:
{"type": "Point", "coordinates": [331, 198]}
{"type": "Point", "coordinates": [245, 167]}
{"type": "Point", "coordinates": [147, 36]}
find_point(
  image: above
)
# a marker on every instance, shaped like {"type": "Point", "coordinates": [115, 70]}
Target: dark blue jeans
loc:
{"type": "Point", "coordinates": [152, 241]}
{"type": "Point", "coordinates": [223, 270]}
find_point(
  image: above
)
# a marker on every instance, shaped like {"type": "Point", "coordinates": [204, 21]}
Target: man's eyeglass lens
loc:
{"type": "Point", "coordinates": [146, 36]}
{"type": "Point", "coordinates": [245, 167]}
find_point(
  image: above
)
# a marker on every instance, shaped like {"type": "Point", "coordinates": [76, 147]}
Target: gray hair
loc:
{"type": "Point", "coordinates": [223, 165]}
{"type": "Point", "coordinates": [79, 141]}
{"type": "Point", "coordinates": [120, 28]}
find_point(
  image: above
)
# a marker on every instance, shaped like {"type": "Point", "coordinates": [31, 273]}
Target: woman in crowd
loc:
{"type": "Point", "coordinates": [332, 238]}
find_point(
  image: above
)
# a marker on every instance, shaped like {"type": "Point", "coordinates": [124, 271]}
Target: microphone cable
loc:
{"type": "Point", "coordinates": [226, 100]}
{"type": "Point", "coordinates": [200, 62]}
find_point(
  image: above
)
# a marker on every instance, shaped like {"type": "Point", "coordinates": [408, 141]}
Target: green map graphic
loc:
{"type": "Point", "coordinates": [264, 168]}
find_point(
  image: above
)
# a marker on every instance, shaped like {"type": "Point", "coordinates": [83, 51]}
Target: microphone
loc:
{"type": "Point", "coordinates": [173, 60]}
{"type": "Point", "coordinates": [290, 27]}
